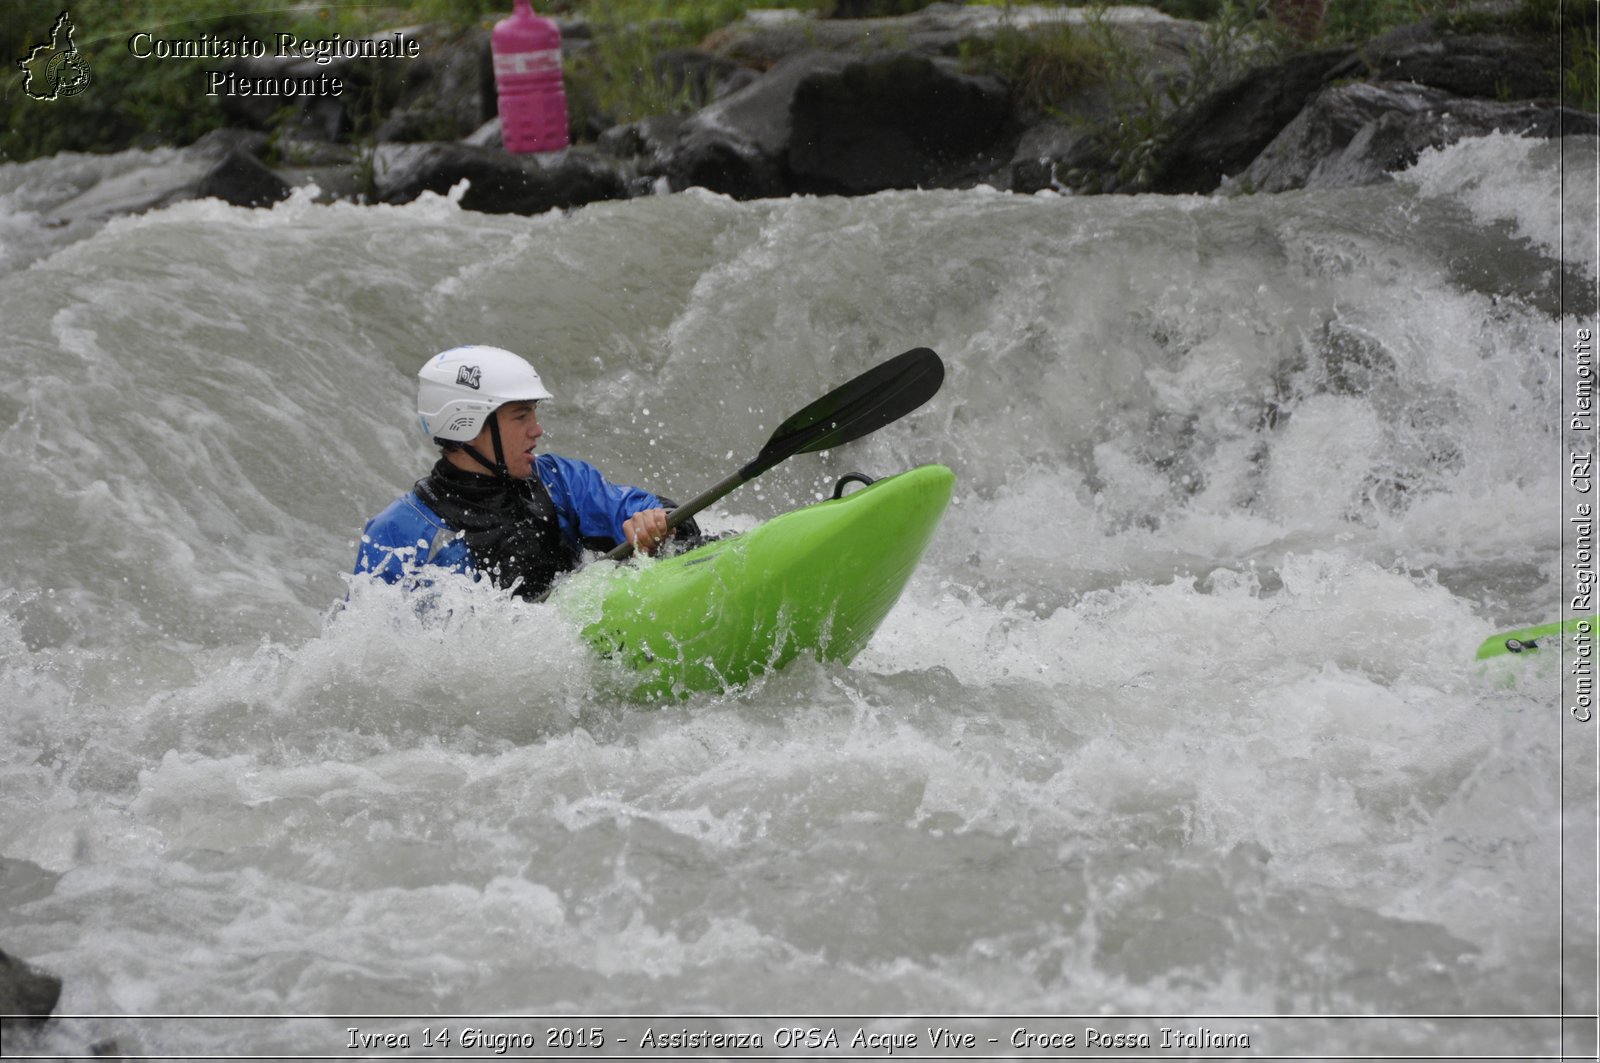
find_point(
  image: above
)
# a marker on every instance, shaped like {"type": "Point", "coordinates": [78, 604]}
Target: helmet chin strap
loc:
{"type": "Point", "coordinates": [498, 466]}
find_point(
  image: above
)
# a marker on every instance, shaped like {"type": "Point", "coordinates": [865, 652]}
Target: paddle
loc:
{"type": "Point", "coordinates": [884, 393]}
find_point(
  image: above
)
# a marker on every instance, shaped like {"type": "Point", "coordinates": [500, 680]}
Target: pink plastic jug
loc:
{"type": "Point", "coordinates": [527, 77]}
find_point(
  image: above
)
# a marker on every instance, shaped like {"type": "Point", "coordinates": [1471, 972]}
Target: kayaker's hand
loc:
{"type": "Point", "coordinates": [647, 529]}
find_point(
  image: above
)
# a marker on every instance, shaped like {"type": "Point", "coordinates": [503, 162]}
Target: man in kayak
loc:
{"type": "Point", "coordinates": [490, 506]}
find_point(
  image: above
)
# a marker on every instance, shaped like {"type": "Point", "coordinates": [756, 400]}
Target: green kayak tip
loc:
{"type": "Point", "coordinates": [1545, 637]}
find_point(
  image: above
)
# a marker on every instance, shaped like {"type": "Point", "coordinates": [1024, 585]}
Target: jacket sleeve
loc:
{"type": "Point", "coordinates": [587, 504]}
{"type": "Point", "coordinates": [404, 537]}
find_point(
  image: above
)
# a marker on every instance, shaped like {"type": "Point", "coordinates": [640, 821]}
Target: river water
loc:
{"type": "Point", "coordinates": [1179, 716]}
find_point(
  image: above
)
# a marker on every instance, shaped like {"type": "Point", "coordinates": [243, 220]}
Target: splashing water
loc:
{"type": "Point", "coordinates": [1178, 716]}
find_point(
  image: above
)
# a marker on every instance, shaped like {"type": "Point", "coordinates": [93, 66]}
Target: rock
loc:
{"type": "Point", "coordinates": [760, 113]}
{"type": "Point", "coordinates": [1318, 136]}
{"type": "Point", "coordinates": [1487, 66]}
{"type": "Point", "coordinates": [26, 991]}
{"type": "Point", "coordinates": [166, 176]}
{"type": "Point", "coordinates": [220, 143]}
{"type": "Point", "coordinates": [499, 183]}
{"type": "Point", "coordinates": [1359, 134]}
{"type": "Point", "coordinates": [298, 151]}
{"type": "Point", "coordinates": [1055, 155]}
{"type": "Point", "coordinates": [447, 92]}
{"type": "Point", "coordinates": [242, 180]}
{"type": "Point", "coordinates": [762, 39]}
{"type": "Point", "coordinates": [872, 8]}
{"type": "Point", "coordinates": [22, 881]}
{"type": "Point", "coordinates": [1224, 132]}
{"type": "Point", "coordinates": [740, 78]}
{"type": "Point", "coordinates": [708, 157]}
{"type": "Point", "coordinates": [737, 144]}
{"type": "Point", "coordinates": [411, 127]}
{"type": "Point", "coordinates": [649, 137]}
{"type": "Point", "coordinates": [828, 122]}
{"type": "Point", "coordinates": [575, 29]}
{"type": "Point", "coordinates": [856, 106]}
{"type": "Point", "coordinates": [899, 121]}
{"type": "Point", "coordinates": [486, 135]}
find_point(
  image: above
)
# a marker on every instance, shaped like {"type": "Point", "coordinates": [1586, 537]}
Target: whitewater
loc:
{"type": "Point", "coordinates": [1179, 717]}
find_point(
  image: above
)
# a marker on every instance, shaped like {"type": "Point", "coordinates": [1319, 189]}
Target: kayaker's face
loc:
{"type": "Point", "coordinates": [519, 434]}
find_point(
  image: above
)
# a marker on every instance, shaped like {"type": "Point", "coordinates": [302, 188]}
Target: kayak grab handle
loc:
{"type": "Point", "coordinates": [851, 477]}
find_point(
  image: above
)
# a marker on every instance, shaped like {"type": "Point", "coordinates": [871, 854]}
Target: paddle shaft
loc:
{"type": "Point", "coordinates": [884, 393]}
{"type": "Point", "coordinates": [622, 551]}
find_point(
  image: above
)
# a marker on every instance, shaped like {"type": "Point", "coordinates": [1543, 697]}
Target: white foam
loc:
{"type": "Point", "coordinates": [1502, 177]}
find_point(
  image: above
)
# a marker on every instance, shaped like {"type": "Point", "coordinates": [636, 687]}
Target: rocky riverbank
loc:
{"type": "Point", "coordinates": [786, 104]}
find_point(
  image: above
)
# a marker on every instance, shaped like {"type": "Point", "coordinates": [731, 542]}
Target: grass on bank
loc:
{"type": "Point", "coordinates": [148, 102]}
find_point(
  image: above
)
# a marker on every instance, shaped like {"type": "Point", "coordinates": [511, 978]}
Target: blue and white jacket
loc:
{"type": "Point", "coordinates": [408, 535]}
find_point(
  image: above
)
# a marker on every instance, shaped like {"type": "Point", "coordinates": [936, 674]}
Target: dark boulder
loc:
{"type": "Point", "coordinates": [1312, 148]}
{"type": "Point", "coordinates": [1485, 66]}
{"type": "Point", "coordinates": [242, 180]}
{"type": "Point", "coordinates": [829, 122]}
{"type": "Point", "coordinates": [648, 137]}
{"type": "Point", "coordinates": [1224, 132]}
{"type": "Point", "coordinates": [765, 37]}
{"type": "Point", "coordinates": [445, 93]}
{"type": "Point", "coordinates": [760, 112]}
{"type": "Point", "coordinates": [706, 157]}
{"type": "Point", "coordinates": [487, 135]}
{"type": "Point", "coordinates": [1058, 155]}
{"type": "Point", "coordinates": [220, 143]}
{"type": "Point", "coordinates": [1359, 134]}
{"type": "Point", "coordinates": [737, 145]}
{"type": "Point", "coordinates": [26, 992]}
{"type": "Point", "coordinates": [896, 121]}
{"type": "Point", "coordinates": [875, 8]}
{"type": "Point", "coordinates": [498, 183]}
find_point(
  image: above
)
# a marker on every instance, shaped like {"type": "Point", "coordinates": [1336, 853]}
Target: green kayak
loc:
{"type": "Point", "coordinates": [817, 581]}
{"type": "Point", "coordinates": [1532, 639]}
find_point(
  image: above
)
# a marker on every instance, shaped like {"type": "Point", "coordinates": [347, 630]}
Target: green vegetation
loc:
{"type": "Point", "coordinates": [1144, 101]}
{"type": "Point", "coordinates": [1353, 21]}
{"type": "Point", "coordinates": [149, 102]}
{"type": "Point", "coordinates": [1573, 30]}
{"type": "Point", "coordinates": [130, 101]}
{"type": "Point", "coordinates": [1046, 65]}
{"type": "Point", "coordinates": [1581, 74]}
{"type": "Point", "coordinates": [623, 76]}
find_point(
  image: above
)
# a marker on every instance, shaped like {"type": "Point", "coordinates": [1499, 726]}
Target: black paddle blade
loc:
{"type": "Point", "coordinates": [884, 393]}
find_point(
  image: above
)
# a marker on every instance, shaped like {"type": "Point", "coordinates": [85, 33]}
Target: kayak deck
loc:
{"type": "Point", "coordinates": [817, 580]}
{"type": "Point", "coordinates": [1532, 639]}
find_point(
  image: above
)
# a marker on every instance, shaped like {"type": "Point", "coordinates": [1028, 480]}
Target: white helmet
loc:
{"type": "Point", "coordinates": [459, 389]}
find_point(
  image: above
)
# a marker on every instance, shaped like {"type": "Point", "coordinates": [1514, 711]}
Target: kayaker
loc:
{"type": "Point", "coordinates": [490, 506]}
